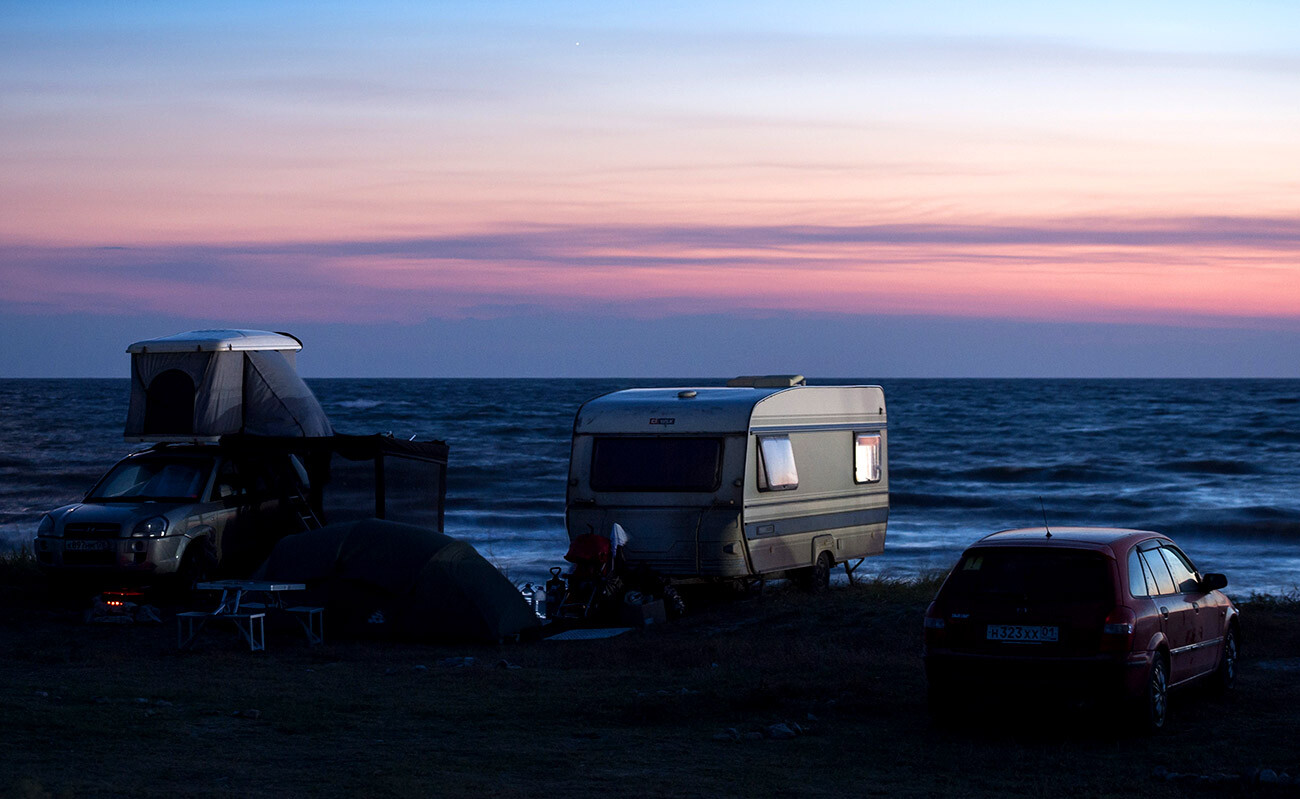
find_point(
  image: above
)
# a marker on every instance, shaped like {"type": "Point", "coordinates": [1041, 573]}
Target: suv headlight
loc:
{"type": "Point", "coordinates": [150, 528]}
{"type": "Point", "coordinates": [46, 526]}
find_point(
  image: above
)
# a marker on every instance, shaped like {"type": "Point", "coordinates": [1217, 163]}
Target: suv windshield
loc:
{"type": "Point", "coordinates": [154, 479]}
{"type": "Point", "coordinates": [656, 464]}
{"type": "Point", "coordinates": [1038, 576]}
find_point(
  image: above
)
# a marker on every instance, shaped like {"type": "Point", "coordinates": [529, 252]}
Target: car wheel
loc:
{"type": "Point", "coordinates": [817, 577]}
{"type": "Point", "coordinates": [1226, 674]}
{"type": "Point", "coordinates": [197, 564]}
{"type": "Point", "coordinates": [1155, 702]}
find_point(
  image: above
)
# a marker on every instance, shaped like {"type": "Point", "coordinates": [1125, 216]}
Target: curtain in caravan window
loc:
{"type": "Point", "coordinates": [777, 470]}
{"type": "Point", "coordinates": [866, 457]}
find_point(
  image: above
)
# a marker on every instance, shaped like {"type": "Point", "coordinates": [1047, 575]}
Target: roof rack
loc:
{"type": "Point", "coordinates": [767, 381]}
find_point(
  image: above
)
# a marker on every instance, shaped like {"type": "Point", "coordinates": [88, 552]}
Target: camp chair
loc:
{"type": "Point", "coordinates": [589, 580]}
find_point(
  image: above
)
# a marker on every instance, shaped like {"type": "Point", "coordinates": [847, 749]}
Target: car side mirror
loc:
{"type": "Point", "coordinates": [1213, 581]}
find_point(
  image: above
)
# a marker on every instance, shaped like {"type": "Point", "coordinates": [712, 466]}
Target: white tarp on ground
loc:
{"type": "Point", "coordinates": [209, 383]}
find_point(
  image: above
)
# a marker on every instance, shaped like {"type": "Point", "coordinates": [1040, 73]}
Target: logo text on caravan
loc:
{"type": "Point", "coordinates": [663, 420]}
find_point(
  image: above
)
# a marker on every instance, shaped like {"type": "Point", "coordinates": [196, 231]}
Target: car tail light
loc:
{"type": "Point", "coordinates": [935, 627]}
{"type": "Point", "coordinates": [1117, 630]}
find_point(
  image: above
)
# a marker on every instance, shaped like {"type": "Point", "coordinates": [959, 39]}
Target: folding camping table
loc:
{"type": "Point", "coordinates": [245, 602]}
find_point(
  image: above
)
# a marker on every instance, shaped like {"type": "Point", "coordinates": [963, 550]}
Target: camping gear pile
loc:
{"type": "Point", "coordinates": [599, 587]}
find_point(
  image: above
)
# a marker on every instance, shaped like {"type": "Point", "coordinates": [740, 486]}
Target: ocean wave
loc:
{"type": "Point", "coordinates": [15, 463]}
{"type": "Point", "coordinates": [1080, 473]}
{"type": "Point", "coordinates": [46, 495]}
{"type": "Point", "coordinates": [547, 538]}
{"type": "Point", "coordinates": [1255, 521]}
{"type": "Point", "coordinates": [466, 507]}
{"type": "Point", "coordinates": [360, 404]}
{"type": "Point", "coordinates": [1278, 529]}
{"type": "Point", "coordinates": [1210, 466]}
{"type": "Point", "coordinates": [21, 518]}
{"type": "Point", "coordinates": [1284, 436]}
{"type": "Point", "coordinates": [908, 499]}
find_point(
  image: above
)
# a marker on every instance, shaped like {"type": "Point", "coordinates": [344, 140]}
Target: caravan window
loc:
{"type": "Point", "coordinates": [677, 463]}
{"type": "Point", "coordinates": [776, 467]}
{"type": "Point", "coordinates": [866, 458]}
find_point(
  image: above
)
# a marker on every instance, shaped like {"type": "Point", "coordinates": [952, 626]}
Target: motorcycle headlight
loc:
{"type": "Point", "coordinates": [150, 528]}
{"type": "Point", "coordinates": [47, 526]}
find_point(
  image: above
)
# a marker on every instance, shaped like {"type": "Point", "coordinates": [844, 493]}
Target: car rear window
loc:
{"type": "Point", "coordinates": [1032, 575]}
{"type": "Point", "coordinates": [656, 464]}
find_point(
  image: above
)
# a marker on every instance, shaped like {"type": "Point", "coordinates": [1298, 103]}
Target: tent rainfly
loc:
{"type": "Point", "coordinates": [201, 385]}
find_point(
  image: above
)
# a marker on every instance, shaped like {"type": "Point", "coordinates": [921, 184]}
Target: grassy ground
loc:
{"type": "Point", "coordinates": [105, 710]}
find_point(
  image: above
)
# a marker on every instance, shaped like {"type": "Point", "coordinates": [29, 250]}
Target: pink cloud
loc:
{"type": "Point", "coordinates": [1079, 270]}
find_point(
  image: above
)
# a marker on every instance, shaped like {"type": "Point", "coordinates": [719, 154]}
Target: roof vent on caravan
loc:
{"type": "Point", "coordinates": [201, 385]}
{"type": "Point", "coordinates": [766, 381]}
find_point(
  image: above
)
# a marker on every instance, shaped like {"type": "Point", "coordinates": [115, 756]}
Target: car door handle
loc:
{"type": "Point", "coordinates": [1164, 611]}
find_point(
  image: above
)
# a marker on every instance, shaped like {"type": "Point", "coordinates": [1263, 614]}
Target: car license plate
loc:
{"type": "Point", "coordinates": [76, 545]}
{"type": "Point", "coordinates": [1023, 633]}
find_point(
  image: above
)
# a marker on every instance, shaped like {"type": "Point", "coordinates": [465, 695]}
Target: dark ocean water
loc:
{"type": "Point", "coordinates": [1216, 464]}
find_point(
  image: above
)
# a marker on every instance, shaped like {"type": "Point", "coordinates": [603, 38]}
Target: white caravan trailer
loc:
{"type": "Point", "coordinates": [764, 476]}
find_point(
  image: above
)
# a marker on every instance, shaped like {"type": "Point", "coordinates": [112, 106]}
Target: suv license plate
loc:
{"type": "Point", "coordinates": [1023, 633]}
{"type": "Point", "coordinates": [75, 545]}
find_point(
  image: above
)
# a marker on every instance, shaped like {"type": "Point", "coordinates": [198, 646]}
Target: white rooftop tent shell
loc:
{"type": "Point", "coordinates": [201, 385]}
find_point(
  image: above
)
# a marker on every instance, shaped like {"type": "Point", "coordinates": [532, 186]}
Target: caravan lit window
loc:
{"type": "Point", "coordinates": [776, 468]}
{"type": "Point", "coordinates": [866, 457]}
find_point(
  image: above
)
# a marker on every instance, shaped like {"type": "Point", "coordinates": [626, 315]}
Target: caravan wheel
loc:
{"type": "Point", "coordinates": [817, 577]}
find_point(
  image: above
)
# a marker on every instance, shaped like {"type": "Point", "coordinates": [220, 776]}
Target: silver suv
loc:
{"type": "Point", "coordinates": [176, 510]}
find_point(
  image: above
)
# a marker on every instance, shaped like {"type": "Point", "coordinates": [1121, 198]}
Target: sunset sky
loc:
{"type": "Point", "coordinates": [690, 189]}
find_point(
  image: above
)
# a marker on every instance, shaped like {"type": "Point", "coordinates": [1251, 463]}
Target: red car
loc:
{"type": "Point", "coordinates": [1108, 613]}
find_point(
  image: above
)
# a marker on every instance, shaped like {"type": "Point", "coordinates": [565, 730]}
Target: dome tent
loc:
{"type": "Point", "coordinates": [208, 383]}
{"type": "Point", "coordinates": [421, 584]}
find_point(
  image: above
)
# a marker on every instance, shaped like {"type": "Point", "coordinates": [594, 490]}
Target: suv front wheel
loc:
{"type": "Point", "coordinates": [197, 564]}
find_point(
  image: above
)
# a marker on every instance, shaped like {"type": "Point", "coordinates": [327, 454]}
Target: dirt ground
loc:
{"type": "Point", "coordinates": [783, 694]}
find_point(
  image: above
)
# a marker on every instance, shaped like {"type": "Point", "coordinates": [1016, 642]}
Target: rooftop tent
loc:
{"type": "Point", "coordinates": [208, 383]}
{"type": "Point", "coordinates": [401, 579]}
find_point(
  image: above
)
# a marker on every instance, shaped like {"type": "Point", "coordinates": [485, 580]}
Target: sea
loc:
{"type": "Point", "coordinates": [1213, 463]}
